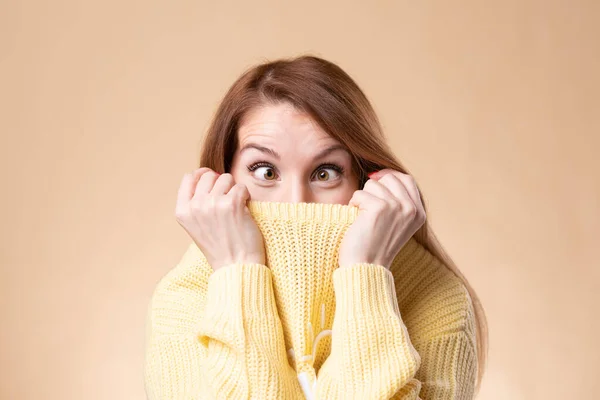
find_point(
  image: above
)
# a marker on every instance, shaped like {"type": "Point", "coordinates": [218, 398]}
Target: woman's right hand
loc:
{"type": "Point", "coordinates": [212, 209]}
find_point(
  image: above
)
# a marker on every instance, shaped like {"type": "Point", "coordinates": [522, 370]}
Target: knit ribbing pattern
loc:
{"type": "Point", "coordinates": [302, 272]}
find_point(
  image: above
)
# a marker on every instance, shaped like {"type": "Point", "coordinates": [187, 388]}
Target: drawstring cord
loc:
{"type": "Point", "coordinates": [310, 391]}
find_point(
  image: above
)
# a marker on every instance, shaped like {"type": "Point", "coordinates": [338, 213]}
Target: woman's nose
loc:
{"type": "Point", "coordinates": [297, 193]}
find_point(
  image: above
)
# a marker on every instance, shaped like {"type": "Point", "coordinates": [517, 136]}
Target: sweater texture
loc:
{"type": "Point", "coordinates": [300, 327]}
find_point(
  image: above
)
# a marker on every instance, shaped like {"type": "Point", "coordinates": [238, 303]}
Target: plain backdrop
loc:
{"type": "Point", "coordinates": [492, 105]}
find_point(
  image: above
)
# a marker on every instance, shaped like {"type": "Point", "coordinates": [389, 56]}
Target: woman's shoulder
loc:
{"type": "Point", "coordinates": [433, 301]}
{"type": "Point", "coordinates": [188, 277]}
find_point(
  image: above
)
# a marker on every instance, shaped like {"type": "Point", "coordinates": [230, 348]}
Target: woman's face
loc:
{"type": "Point", "coordinates": [284, 156]}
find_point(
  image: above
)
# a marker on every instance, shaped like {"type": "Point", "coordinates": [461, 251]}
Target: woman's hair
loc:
{"type": "Point", "coordinates": [332, 99]}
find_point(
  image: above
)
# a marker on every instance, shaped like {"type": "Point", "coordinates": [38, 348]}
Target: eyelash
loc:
{"type": "Point", "coordinates": [337, 168]}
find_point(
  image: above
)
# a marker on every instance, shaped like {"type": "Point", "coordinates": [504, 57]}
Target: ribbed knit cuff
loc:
{"type": "Point", "coordinates": [365, 289]}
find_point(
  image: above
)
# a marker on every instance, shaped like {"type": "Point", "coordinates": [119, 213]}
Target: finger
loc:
{"type": "Point", "coordinates": [223, 184]}
{"type": "Point", "coordinates": [396, 187]}
{"type": "Point", "coordinates": [184, 193]}
{"type": "Point", "coordinates": [409, 183]}
{"type": "Point", "coordinates": [206, 183]}
{"type": "Point", "coordinates": [365, 200]}
{"type": "Point", "coordinates": [410, 186]}
{"type": "Point", "coordinates": [187, 187]}
{"type": "Point", "coordinates": [374, 187]}
{"type": "Point", "coordinates": [240, 192]}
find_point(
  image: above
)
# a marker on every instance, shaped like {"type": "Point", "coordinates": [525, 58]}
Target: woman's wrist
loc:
{"type": "Point", "coordinates": [247, 259]}
{"type": "Point", "coordinates": [358, 263]}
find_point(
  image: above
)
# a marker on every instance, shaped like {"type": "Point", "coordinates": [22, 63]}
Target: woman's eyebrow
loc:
{"type": "Point", "coordinates": [323, 153]}
{"type": "Point", "coordinates": [260, 148]}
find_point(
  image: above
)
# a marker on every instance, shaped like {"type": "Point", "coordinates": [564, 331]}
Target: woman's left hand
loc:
{"type": "Point", "coordinates": [390, 212]}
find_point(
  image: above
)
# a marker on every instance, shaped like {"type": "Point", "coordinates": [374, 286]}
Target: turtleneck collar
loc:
{"type": "Point", "coordinates": [302, 242]}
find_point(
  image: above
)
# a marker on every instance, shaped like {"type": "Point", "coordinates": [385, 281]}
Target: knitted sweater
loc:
{"type": "Point", "coordinates": [299, 327]}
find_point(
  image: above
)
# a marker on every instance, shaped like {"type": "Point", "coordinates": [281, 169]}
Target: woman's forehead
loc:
{"type": "Point", "coordinates": [280, 124]}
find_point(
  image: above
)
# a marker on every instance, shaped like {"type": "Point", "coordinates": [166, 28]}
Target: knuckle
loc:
{"type": "Point", "coordinates": [225, 177]}
{"type": "Point", "coordinates": [411, 211]}
{"type": "Point", "coordinates": [240, 188]}
{"type": "Point", "coordinates": [224, 203]}
{"type": "Point", "coordinates": [197, 205]}
{"type": "Point", "coordinates": [209, 173]}
{"type": "Point", "coordinates": [396, 206]}
{"type": "Point", "coordinates": [181, 214]}
{"type": "Point", "coordinates": [199, 171]}
{"type": "Point", "coordinates": [381, 205]}
{"type": "Point", "coordinates": [387, 177]}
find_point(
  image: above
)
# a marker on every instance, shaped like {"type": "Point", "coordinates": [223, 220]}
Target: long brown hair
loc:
{"type": "Point", "coordinates": [330, 96]}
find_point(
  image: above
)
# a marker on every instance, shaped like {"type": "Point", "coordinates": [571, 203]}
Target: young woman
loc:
{"type": "Point", "coordinates": [302, 220]}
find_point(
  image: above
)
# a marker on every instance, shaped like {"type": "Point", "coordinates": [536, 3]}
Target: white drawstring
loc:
{"type": "Point", "coordinates": [310, 391]}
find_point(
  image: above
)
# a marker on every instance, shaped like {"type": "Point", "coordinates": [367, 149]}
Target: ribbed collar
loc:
{"type": "Point", "coordinates": [303, 211]}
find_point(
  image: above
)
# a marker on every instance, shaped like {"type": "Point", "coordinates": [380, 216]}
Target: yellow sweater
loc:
{"type": "Point", "coordinates": [299, 327]}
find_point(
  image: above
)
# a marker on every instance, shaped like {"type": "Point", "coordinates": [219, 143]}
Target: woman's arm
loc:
{"type": "Point", "coordinates": [243, 337]}
{"type": "Point", "coordinates": [372, 356]}
{"type": "Point", "coordinates": [233, 349]}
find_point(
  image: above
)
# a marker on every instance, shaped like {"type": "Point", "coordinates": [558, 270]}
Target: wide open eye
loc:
{"type": "Point", "coordinates": [328, 173]}
{"type": "Point", "coordinates": [263, 171]}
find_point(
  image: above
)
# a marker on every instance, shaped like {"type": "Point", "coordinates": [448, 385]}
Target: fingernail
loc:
{"type": "Point", "coordinates": [372, 174]}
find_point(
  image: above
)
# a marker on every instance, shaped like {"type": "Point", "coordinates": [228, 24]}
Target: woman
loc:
{"type": "Point", "coordinates": [302, 220]}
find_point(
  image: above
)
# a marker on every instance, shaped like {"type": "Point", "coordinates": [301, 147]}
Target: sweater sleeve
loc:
{"type": "Point", "coordinates": [372, 356]}
{"type": "Point", "coordinates": [243, 337]}
{"type": "Point", "coordinates": [235, 350]}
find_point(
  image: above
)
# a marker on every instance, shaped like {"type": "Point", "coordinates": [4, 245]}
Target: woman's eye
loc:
{"type": "Point", "coordinates": [265, 173]}
{"type": "Point", "coordinates": [327, 174]}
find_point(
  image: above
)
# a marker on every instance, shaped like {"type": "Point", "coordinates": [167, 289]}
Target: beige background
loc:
{"type": "Point", "coordinates": [494, 107]}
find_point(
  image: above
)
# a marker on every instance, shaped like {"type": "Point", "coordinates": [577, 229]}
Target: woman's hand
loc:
{"type": "Point", "coordinates": [212, 210]}
{"type": "Point", "coordinates": [390, 212]}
